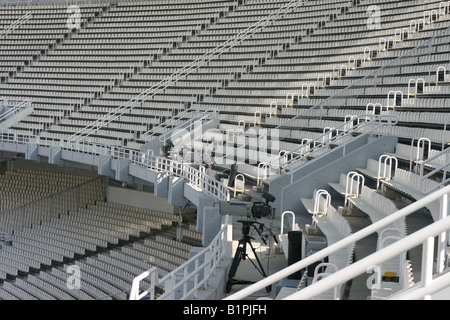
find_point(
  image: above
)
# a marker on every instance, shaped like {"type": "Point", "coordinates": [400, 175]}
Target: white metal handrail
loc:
{"type": "Point", "coordinates": [443, 168]}
{"type": "Point", "coordinates": [193, 275]}
{"type": "Point", "coordinates": [236, 180]}
{"type": "Point", "coordinates": [163, 130]}
{"type": "Point", "coordinates": [321, 207]}
{"type": "Point", "coordinates": [186, 70]}
{"type": "Point", "coordinates": [373, 74]}
{"type": "Point", "coordinates": [293, 224]}
{"type": "Point", "coordinates": [350, 184]}
{"type": "Point", "coordinates": [372, 125]}
{"type": "Point", "coordinates": [16, 24]}
{"type": "Point", "coordinates": [15, 109]}
{"type": "Point", "coordinates": [438, 228]}
{"type": "Point", "coordinates": [386, 164]}
{"type": "Point", "coordinates": [193, 176]}
{"type": "Point", "coordinates": [420, 150]}
{"type": "Point", "coordinates": [152, 276]}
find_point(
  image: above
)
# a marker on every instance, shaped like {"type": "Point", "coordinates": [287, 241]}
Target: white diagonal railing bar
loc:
{"type": "Point", "coordinates": [186, 70]}
{"type": "Point", "coordinates": [439, 169]}
{"type": "Point", "coordinates": [15, 109]}
{"type": "Point", "coordinates": [16, 24]}
{"type": "Point", "coordinates": [324, 140]}
{"type": "Point", "coordinates": [362, 266]}
{"type": "Point", "coordinates": [173, 123]}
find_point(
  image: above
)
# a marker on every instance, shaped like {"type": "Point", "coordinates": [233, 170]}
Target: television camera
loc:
{"type": "Point", "coordinates": [251, 210]}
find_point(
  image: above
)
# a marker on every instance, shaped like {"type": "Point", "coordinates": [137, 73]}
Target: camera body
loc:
{"type": "Point", "coordinates": [261, 209]}
{"type": "Point", "coordinates": [250, 209]}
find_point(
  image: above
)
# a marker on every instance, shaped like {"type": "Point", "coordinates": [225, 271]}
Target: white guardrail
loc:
{"type": "Point", "coordinates": [366, 123]}
{"type": "Point", "coordinates": [14, 109]}
{"type": "Point", "coordinates": [16, 24]}
{"type": "Point", "coordinates": [189, 278]}
{"type": "Point", "coordinates": [432, 278]}
{"type": "Point", "coordinates": [196, 177]}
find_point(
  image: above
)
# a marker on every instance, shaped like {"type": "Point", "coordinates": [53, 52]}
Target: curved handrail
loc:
{"type": "Point", "coordinates": [317, 206]}
{"type": "Point", "coordinates": [420, 149]}
{"type": "Point", "coordinates": [282, 221]}
{"type": "Point", "coordinates": [360, 180]}
{"type": "Point", "coordinates": [387, 160]}
{"type": "Point", "coordinates": [242, 183]}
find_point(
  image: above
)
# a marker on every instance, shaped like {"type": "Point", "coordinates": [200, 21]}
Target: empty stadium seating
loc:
{"type": "Point", "coordinates": [319, 76]}
{"type": "Point", "coordinates": [49, 235]}
{"type": "Point", "coordinates": [289, 42]}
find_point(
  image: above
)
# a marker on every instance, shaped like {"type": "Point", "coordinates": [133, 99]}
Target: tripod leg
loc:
{"type": "Point", "coordinates": [269, 288]}
{"type": "Point", "coordinates": [234, 266]}
{"type": "Point", "coordinates": [238, 256]}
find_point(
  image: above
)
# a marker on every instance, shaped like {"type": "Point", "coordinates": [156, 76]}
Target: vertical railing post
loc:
{"type": "Point", "coordinates": [169, 286]}
{"type": "Point", "coordinates": [442, 243]}
{"type": "Point", "coordinates": [427, 263]}
{"type": "Point", "coordinates": [207, 268]}
{"type": "Point", "coordinates": [196, 278]}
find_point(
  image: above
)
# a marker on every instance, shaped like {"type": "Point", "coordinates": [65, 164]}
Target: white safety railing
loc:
{"type": "Point", "coordinates": [375, 124]}
{"type": "Point", "coordinates": [167, 128]}
{"type": "Point", "coordinates": [442, 168]}
{"type": "Point", "coordinates": [196, 177]}
{"type": "Point", "coordinates": [15, 109]}
{"type": "Point", "coordinates": [386, 165]}
{"type": "Point", "coordinates": [340, 93]}
{"type": "Point", "coordinates": [16, 24]}
{"type": "Point", "coordinates": [239, 178]}
{"type": "Point", "coordinates": [151, 276]}
{"type": "Point", "coordinates": [422, 143]}
{"type": "Point", "coordinates": [8, 137]}
{"type": "Point", "coordinates": [354, 184]}
{"type": "Point", "coordinates": [186, 281]}
{"type": "Point", "coordinates": [186, 70]}
{"type": "Point", "coordinates": [160, 164]}
{"type": "Point", "coordinates": [424, 236]}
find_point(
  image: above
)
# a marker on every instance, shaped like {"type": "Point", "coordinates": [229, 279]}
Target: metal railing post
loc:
{"type": "Point", "coordinates": [427, 263]}
{"type": "Point", "coordinates": [442, 239]}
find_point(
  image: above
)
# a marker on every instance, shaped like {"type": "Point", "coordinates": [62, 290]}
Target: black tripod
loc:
{"type": "Point", "coordinates": [241, 254]}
